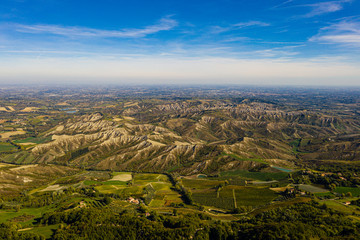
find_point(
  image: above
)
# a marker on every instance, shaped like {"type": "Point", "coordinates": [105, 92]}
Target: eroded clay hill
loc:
{"type": "Point", "coordinates": [192, 137]}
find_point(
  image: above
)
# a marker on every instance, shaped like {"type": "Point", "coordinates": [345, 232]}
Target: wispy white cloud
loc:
{"type": "Point", "coordinates": [237, 26]}
{"type": "Point", "coordinates": [345, 38]}
{"type": "Point", "coordinates": [237, 39]}
{"type": "Point", "coordinates": [165, 24]}
{"type": "Point", "coordinates": [275, 52]}
{"type": "Point", "coordinates": [282, 4]}
{"type": "Point", "coordinates": [314, 9]}
{"type": "Point", "coordinates": [278, 52]}
{"type": "Point", "coordinates": [325, 7]}
{"type": "Point", "coordinates": [345, 32]}
{"type": "Point", "coordinates": [250, 24]}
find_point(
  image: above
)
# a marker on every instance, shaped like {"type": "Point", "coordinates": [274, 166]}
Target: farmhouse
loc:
{"type": "Point", "coordinates": [133, 200]}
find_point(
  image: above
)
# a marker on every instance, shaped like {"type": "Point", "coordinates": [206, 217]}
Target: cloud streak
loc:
{"type": "Point", "coordinates": [237, 26]}
{"type": "Point", "coordinates": [250, 24]}
{"type": "Point", "coordinates": [345, 32]}
{"type": "Point", "coordinates": [165, 24]}
{"type": "Point", "coordinates": [316, 9]}
{"type": "Point", "coordinates": [325, 7]}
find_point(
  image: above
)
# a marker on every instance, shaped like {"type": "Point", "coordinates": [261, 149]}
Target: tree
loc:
{"type": "Point", "coordinates": [106, 200]}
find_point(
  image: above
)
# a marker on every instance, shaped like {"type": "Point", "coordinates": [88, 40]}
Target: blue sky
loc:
{"type": "Point", "coordinates": [281, 42]}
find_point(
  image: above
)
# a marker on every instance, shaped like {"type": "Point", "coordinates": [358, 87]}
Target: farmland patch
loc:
{"type": "Point", "coordinates": [312, 188]}
{"type": "Point", "coordinates": [354, 191]}
{"type": "Point", "coordinates": [262, 176]}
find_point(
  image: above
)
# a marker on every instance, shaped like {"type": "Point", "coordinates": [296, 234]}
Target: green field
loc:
{"type": "Point", "coordinates": [324, 194]}
{"type": "Point", "coordinates": [251, 196]}
{"type": "Point", "coordinates": [108, 189]}
{"type": "Point", "coordinates": [91, 182]}
{"type": "Point", "coordinates": [114, 183]}
{"type": "Point", "coordinates": [262, 176]}
{"type": "Point", "coordinates": [6, 147]}
{"type": "Point", "coordinates": [354, 191]}
{"type": "Point", "coordinates": [157, 203]}
{"type": "Point", "coordinates": [161, 186]}
{"type": "Point", "coordinates": [312, 188]}
{"type": "Point", "coordinates": [338, 206]}
{"type": "Point", "coordinates": [204, 192]}
{"type": "Point", "coordinates": [154, 188]}
{"type": "Point", "coordinates": [150, 177]}
{"type": "Point", "coordinates": [22, 157]}
{"type": "Point", "coordinates": [36, 140]}
{"type": "Point", "coordinates": [245, 196]}
{"type": "Point", "coordinates": [201, 183]}
{"type": "Point", "coordinates": [6, 215]}
{"type": "Point", "coordinates": [46, 231]}
{"type": "Point", "coordinates": [209, 198]}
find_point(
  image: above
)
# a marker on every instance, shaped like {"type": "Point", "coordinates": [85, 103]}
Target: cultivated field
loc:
{"type": "Point", "coordinates": [312, 188]}
{"type": "Point", "coordinates": [355, 192]}
{"type": "Point", "coordinates": [220, 194]}
{"type": "Point", "coordinates": [155, 189]}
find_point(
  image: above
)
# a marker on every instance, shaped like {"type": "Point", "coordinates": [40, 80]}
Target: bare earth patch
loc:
{"type": "Point", "coordinates": [5, 165]}
{"type": "Point", "coordinates": [27, 143]}
{"type": "Point", "coordinates": [26, 180]}
{"type": "Point", "coordinates": [279, 189]}
{"type": "Point", "coordinates": [117, 119]}
{"type": "Point", "coordinates": [23, 167]}
{"type": "Point", "coordinates": [12, 133]}
{"type": "Point", "coordinates": [24, 229]}
{"type": "Point", "coordinates": [55, 187]}
{"type": "Point", "coordinates": [60, 137]}
{"type": "Point", "coordinates": [62, 104]}
{"type": "Point", "coordinates": [128, 118]}
{"type": "Point", "coordinates": [59, 128]}
{"type": "Point", "coordinates": [130, 104]}
{"type": "Point", "coordinates": [156, 143]}
{"type": "Point", "coordinates": [124, 177]}
{"type": "Point", "coordinates": [181, 143]}
{"type": "Point", "coordinates": [29, 109]}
